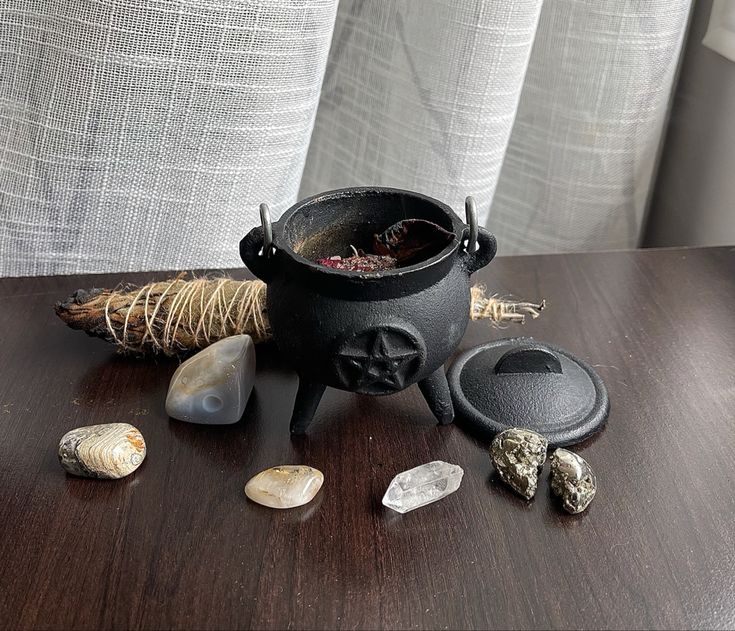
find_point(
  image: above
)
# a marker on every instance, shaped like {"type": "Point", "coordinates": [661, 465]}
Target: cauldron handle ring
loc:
{"type": "Point", "coordinates": [265, 220]}
{"type": "Point", "coordinates": [470, 211]}
{"type": "Point", "coordinates": [257, 249]}
{"type": "Point", "coordinates": [481, 245]}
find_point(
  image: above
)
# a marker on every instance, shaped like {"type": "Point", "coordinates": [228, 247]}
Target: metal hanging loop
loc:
{"type": "Point", "coordinates": [265, 220]}
{"type": "Point", "coordinates": [470, 210]}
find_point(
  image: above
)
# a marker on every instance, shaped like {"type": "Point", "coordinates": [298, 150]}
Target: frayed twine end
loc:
{"type": "Point", "coordinates": [501, 310]}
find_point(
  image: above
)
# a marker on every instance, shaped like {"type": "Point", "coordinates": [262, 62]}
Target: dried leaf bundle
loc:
{"type": "Point", "coordinates": [177, 316]}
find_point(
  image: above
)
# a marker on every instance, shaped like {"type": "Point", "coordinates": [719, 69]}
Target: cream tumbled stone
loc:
{"type": "Point", "coordinates": [285, 486]}
{"type": "Point", "coordinates": [111, 450]}
{"type": "Point", "coordinates": [213, 386]}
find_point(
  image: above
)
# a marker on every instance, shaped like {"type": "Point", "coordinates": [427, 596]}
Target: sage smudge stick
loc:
{"type": "Point", "coordinates": [178, 316]}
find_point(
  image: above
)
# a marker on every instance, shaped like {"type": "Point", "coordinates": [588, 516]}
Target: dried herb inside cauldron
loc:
{"type": "Point", "coordinates": [360, 263]}
{"type": "Point", "coordinates": [407, 242]}
{"type": "Point", "coordinates": [411, 241]}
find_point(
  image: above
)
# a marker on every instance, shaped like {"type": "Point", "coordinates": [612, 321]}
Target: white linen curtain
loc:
{"type": "Point", "coordinates": [421, 95]}
{"type": "Point", "coordinates": [142, 134]}
{"type": "Point", "coordinates": [580, 161]}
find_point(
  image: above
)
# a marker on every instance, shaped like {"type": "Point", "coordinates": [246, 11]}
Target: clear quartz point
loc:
{"type": "Point", "coordinates": [422, 485]}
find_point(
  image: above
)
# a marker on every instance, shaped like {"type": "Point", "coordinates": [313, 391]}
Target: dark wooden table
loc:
{"type": "Point", "coordinates": [177, 545]}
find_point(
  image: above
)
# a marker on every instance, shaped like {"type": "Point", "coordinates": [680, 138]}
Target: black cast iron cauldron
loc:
{"type": "Point", "coordinates": [371, 333]}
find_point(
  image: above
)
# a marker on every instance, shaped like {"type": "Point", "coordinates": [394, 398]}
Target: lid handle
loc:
{"type": "Point", "coordinates": [528, 359]}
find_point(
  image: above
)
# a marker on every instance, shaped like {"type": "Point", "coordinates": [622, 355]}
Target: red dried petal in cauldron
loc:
{"type": "Point", "coordinates": [411, 240]}
{"type": "Point", "coordinates": [364, 263]}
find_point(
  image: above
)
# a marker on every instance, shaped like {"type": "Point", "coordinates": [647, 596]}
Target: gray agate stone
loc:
{"type": "Point", "coordinates": [572, 478]}
{"type": "Point", "coordinates": [518, 455]}
{"type": "Point", "coordinates": [213, 386]}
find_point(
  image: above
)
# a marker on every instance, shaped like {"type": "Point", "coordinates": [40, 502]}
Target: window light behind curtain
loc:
{"type": "Point", "coordinates": [143, 135]}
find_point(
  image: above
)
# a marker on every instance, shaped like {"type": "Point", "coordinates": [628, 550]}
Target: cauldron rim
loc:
{"type": "Point", "coordinates": [282, 243]}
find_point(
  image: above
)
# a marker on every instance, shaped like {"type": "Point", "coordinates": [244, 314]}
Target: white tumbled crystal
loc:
{"type": "Point", "coordinates": [422, 485]}
{"type": "Point", "coordinates": [213, 386]}
{"type": "Point", "coordinates": [286, 486]}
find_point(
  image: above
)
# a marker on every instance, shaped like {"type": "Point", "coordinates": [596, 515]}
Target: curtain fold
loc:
{"type": "Point", "coordinates": [421, 95]}
{"type": "Point", "coordinates": [142, 135]}
{"type": "Point", "coordinates": [581, 156]}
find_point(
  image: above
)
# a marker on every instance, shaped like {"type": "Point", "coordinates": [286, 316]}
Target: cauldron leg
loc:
{"type": "Point", "coordinates": [307, 400]}
{"type": "Point", "coordinates": [436, 392]}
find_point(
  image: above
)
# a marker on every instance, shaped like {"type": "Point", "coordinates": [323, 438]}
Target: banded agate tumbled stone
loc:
{"type": "Point", "coordinates": [286, 486]}
{"type": "Point", "coordinates": [110, 451]}
{"type": "Point", "coordinates": [213, 386]}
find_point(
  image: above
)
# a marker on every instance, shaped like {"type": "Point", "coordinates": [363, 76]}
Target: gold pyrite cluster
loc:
{"type": "Point", "coordinates": [519, 455]}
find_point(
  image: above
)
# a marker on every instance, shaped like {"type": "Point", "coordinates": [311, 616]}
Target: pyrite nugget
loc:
{"type": "Point", "coordinates": [572, 478]}
{"type": "Point", "coordinates": [518, 455]}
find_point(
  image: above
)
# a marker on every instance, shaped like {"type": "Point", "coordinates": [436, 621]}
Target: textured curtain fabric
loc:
{"type": "Point", "coordinates": [142, 134]}
{"type": "Point", "coordinates": [139, 135]}
{"type": "Point", "coordinates": [581, 156]}
{"type": "Point", "coordinates": [421, 95]}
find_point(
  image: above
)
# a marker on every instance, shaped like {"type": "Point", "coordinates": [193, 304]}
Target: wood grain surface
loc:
{"type": "Point", "coordinates": [178, 546]}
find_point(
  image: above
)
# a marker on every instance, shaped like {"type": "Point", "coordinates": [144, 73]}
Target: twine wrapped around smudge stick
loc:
{"type": "Point", "coordinates": [177, 316]}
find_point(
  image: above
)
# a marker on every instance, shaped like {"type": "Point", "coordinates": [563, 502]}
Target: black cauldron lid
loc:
{"type": "Point", "coordinates": [520, 382]}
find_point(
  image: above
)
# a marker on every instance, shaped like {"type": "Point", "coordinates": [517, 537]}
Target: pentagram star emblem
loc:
{"type": "Point", "coordinates": [379, 360]}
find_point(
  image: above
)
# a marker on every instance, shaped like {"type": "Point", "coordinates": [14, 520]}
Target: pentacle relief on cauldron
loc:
{"type": "Point", "coordinates": [380, 360]}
